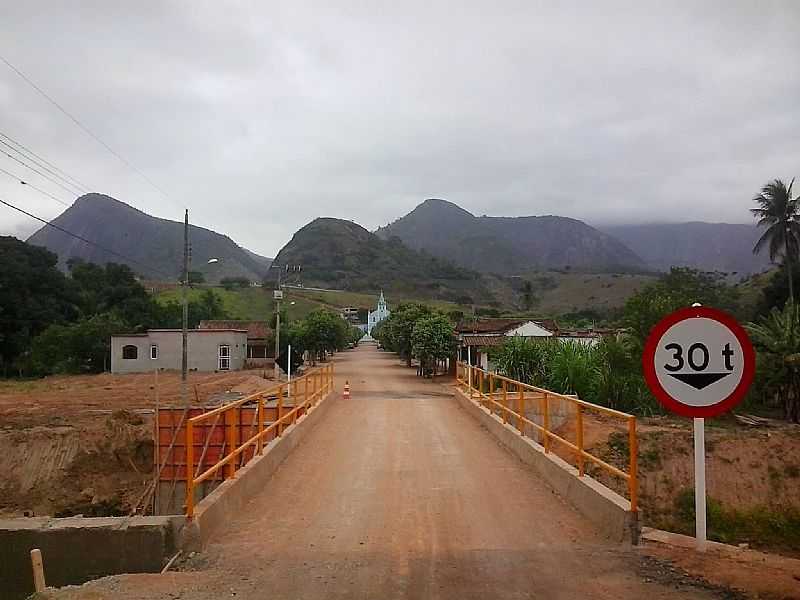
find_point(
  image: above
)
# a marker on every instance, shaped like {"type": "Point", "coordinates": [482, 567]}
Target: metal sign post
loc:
{"type": "Point", "coordinates": [700, 482]}
{"type": "Point", "coordinates": [698, 362]}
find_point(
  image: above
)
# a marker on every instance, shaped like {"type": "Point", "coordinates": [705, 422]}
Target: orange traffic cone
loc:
{"type": "Point", "coordinates": [346, 393]}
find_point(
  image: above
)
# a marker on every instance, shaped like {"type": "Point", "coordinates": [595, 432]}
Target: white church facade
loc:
{"type": "Point", "coordinates": [379, 314]}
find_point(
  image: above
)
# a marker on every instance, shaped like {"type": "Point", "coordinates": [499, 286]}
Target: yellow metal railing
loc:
{"type": "Point", "coordinates": [499, 393]}
{"type": "Point", "coordinates": [304, 392]}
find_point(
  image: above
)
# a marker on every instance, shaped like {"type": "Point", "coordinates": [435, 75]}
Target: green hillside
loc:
{"type": "Point", "coordinates": [343, 255]}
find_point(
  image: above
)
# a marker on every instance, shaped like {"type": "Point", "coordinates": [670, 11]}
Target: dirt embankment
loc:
{"type": "Point", "coordinates": [84, 444]}
{"type": "Point", "coordinates": [753, 479]}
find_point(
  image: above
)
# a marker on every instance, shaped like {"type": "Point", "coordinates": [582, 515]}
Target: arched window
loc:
{"type": "Point", "coordinates": [130, 352]}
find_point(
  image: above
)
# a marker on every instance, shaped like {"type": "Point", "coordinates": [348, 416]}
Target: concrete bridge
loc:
{"type": "Point", "coordinates": [402, 492]}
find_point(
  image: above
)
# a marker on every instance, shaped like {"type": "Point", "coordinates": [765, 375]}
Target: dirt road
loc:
{"type": "Point", "coordinates": [399, 493]}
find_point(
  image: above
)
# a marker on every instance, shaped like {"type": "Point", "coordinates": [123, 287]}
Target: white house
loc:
{"type": "Point", "coordinates": [476, 336]}
{"type": "Point", "coordinates": [208, 350]}
{"type": "Point", "coordinates": [378, 315]}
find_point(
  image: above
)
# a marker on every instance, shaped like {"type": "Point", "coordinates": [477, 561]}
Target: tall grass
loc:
{"type": "Point", "coordinates": [608, 373]}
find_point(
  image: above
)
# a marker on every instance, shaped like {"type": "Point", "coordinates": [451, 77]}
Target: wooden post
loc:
{"type": "Point", "coordinates": [546, 411]}
{"type": "Point", "coordinates": [280, 410]}
{"type": "Point", "coordinates": [491, 393]}
{"type": "Point", "coordinates": [38, 570]}
{"type": "Point", "coordinates": [505, 401]}
{"type": "Point", "coordinates": [305, 392]}
{"type": "Point", "coordinates": [295, 402]}
{"type": "Point", "coordinates": [633, 443]}
{"type": "Point", "coordinates": [520, 407]}
{"type": "Point", "coordinates": [230, 431]}
{"type": "Point", "coordinates": [579, 439]}
{"type": "Point", "coordinates": [189, 468]}
{"type": "Point", "coordinates": [156, 447]}
{"type": "Point", "coordinates": [260, 442]}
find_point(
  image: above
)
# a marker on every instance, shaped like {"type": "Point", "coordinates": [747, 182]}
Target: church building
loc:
{"type": "Point", "coordinates": [377, 315]}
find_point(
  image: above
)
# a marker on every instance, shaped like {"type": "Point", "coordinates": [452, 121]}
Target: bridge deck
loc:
{"type": "Point", "coordinates": [399, 493]}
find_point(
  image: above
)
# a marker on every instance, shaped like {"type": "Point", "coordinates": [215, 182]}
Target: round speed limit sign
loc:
{"type": "Point", "coordinates": [698, 362]}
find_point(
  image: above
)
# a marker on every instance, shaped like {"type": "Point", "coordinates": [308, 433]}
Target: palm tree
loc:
{"type": "Point", "coordinates": [780, 214]}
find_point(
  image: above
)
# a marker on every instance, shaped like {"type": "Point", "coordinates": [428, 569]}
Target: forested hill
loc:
{"type": "Point", "coordinates": [510, 245]}
{"type": "Point", "coordinates": [152, 247]}
{"type": "Point", "coordinates": [343, 255]}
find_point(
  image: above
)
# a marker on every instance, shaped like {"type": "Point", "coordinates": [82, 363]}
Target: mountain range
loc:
{"type": "Point", "coordinates": [151, 246]}
{"type": "Point", "coordinates": [438, 250]}
{"type": "Point", "coordinates": [725, 247]}
{"type": "Point", "coordinates": [510, 245]}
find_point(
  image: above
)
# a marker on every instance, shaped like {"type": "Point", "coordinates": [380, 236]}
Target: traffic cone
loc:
{"type": "Point", "coordinates": [346, 393]}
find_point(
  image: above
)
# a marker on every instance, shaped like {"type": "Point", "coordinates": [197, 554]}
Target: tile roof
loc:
{"type": "Point", "coordinates": [484, 340]}
{"type": "Point", "coordinates": [255, 329]}
{"type": "Point", "coordinates": [488, 325]}
{"type": "Point", "coordinates": [501, 325]}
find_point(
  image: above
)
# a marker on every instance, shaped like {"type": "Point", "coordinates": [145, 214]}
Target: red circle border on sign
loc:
{"type": "Point", "coordinates": [648, 364]}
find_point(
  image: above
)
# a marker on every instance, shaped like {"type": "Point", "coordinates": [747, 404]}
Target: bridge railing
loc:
{"type": "Point", "coordinates": [304, 392]}
{"type": "Point", "coordinates": [514, 401]}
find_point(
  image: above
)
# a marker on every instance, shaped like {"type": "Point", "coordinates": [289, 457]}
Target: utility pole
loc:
{"type": "Point", "coordinates": [185, 302]}
{"type": "Point", "coordinates": [278, 295]}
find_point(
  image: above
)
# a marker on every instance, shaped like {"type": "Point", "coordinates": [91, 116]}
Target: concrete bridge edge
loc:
{"type": "Point", "coordinates": [606, 509]}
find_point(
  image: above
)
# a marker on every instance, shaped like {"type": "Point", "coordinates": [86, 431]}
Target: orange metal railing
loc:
{"type": "Point", "coordinates": [304, 392]}
{"type": "Point", "coordinates": [498, 393]}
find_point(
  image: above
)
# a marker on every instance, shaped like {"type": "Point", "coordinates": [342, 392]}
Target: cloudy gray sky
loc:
{"type": "Point", "coordinates": [261, 116]}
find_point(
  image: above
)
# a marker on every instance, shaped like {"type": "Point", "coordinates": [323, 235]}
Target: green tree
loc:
{"type": "Point", "coordinates": [779, 213]}
{"type": "Point", "coordinates": [679, 288]}
{"type": "Point", "coordinates": [777, 338]}
{"type": "Point", "coordinates": [196, 277]}
{"type": "Point", "coordinates": [775, 293]}
{"type": "Point", "coordinates": [400, 327]}
{"type": "Point", "coordinates": [230, 283]}
{"type": "Point", "coordinates": [33, 295]}
{"type": "Point", "coordinates": [527, 295]}
{"type": "Point", "coordinates": [113, 288]}
{"type": "Point", "coordinates": [81, 347]}
{"type": "Point", "coordinates": [208, 307]}
{"type": "Point", "coordinates": [432, 340]}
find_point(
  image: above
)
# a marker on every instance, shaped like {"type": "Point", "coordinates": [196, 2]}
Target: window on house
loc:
{"type": "Point", "coordinates": [130, 352]}
{"type": "Point", "coordinates": [224, 358]}
{"type": "Point", "coordinates": [153, 351]}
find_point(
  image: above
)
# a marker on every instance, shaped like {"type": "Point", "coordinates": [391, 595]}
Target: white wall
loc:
{"type": "Point", "coordinates": [530, 329]}
{"type": "Point", "coordinates": [202, 345]}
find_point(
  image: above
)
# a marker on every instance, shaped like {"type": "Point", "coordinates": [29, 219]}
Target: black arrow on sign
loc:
{"type": "Point", "coordinates": [698, 380]}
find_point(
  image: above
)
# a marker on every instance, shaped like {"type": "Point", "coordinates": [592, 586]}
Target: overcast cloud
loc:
{"type": "Point", "coordinates": [262, 116]}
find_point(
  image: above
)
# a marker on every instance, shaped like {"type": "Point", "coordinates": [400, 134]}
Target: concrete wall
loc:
{"type": "Point", "coordinates": [76, 549]}
{"type": "Point", "coordinates": [609, 511]}
{"type": "Point", "coordinates": [203, 345]}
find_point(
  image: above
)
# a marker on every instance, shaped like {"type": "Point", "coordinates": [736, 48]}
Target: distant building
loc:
{"type": "Point", "coordinates": [476, 336]}
{"type": "Point", "coordinates": [379, 314]}
{"type": "Point", "coordinates": [350, 314]}
{"type": "Point", "coordinates": [260, 339]}
{"type": "Point", "coordinates": [208, 350]}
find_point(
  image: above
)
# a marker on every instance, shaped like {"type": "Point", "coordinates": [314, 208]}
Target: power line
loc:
{"type": "Point", "coordinates": [37, 171]}
{"type": "Point", "coordinates": [82, 126]}
{"type": "Point", "coordinates": [44, 163]}
{"type": "Point", "coordinates": [83, 239]}
{"type": "Point", "coordinates": [41, 191]}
